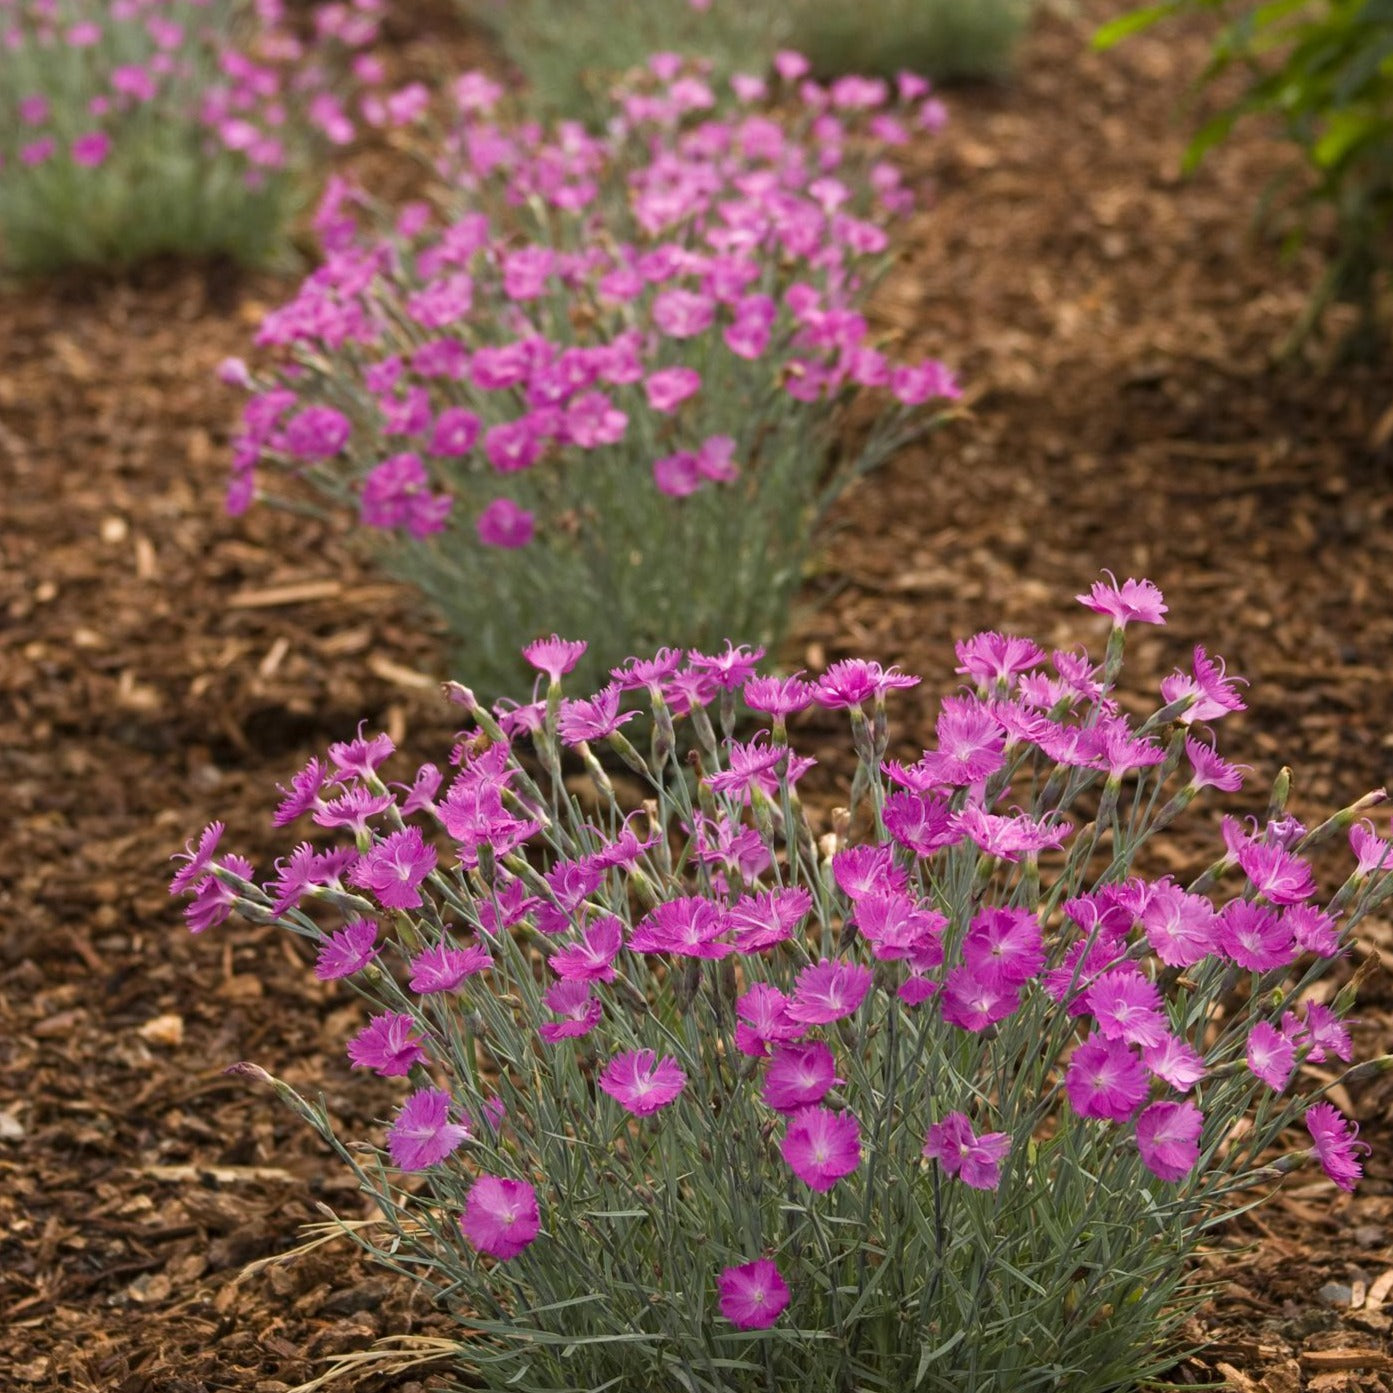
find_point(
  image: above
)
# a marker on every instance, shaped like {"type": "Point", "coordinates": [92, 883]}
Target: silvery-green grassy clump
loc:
{"type": "Point", "coordinates": [135, 128]}
{"type": "Point", "coordinates": [702, 1090]}
{"type": "Point", "coordinates": [947, 40]}
{"type": "Point", "coordinates": [571, 52]}
{"type": "Point", "coordinates": [602, 387]}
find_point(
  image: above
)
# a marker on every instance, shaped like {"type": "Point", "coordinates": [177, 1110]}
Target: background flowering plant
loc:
{"type": "Point", "coordinates": [944, 1097]}
{"type": "Point", "coordinates": [134, 127]}
{"type": "Point", "coordinates": [602, 392]}
{"type": "Point", "coordinates": [570, 52]}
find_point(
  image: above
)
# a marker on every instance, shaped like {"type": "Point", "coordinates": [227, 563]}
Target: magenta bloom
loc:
{"type": "Point", "coordinates": [91, 149]}
{"type": "Point", "coordinates": [1323, 1033]}
{"type": "Point", "coordinates": [669, 387]}
{"type": "Point", "coordinates": [799, 1075]}
{"type": "Point", "coordinates": [197, 860]}
{"type": "Point", "coordinates": [348, 951]}
{"type": "Point", "coordinates": [36, 152]}
{"type": "Point", "coordinates": [579, 1011]}
{"type": "Point", "coordinates": [854, 680]}
{"type": "Point", "coordinates": [1182, 928]}
{"type": "Point", "coordinates": [1271, 1055]}
{"type": "Point", "coordinates": [397, 494]}
{"type": "Point", "coordinates": [683, 314]}
{"type": "Point", "coordinates": [358, 758]}
{"type": "Point", "coordinates": [1336, 1146]}
{"type": "Point", "coordinates": [690, 926]}
{"type": "Point", "coordinates": [749, 766]}
{"type": "Point", "coordinates": [641, 1082]}
{"type": "Point", "coordinates": [778, 696]}
{"type": "Point", "coordinates": [1133, 599]}
{"type": "Point", "coordinates": [33, 111]}
{"type": "Point", "coordinates": [1209, 770]}
{"type": "Point", "coordinates": [677, 475]}
{"type": "Point", "coordinates": [394, 869]}
{"type": "Point", "coordinates": [764, 1017]}
{"type": "Point", "coordinates": [1276, 873]}
{"type": "Point", "coordinates": [760, 921]}
{"type": "Point", "coordinates": [747, 337]}
{"type": "Point", "coordinates": [555, 656]}
{"type": "Point", "coordinates": [455, 434]}
{"type": "Point", "coordinates": [1314, 930]}
{"type": "Point", "coordinates": [868, 869]}
{"type": "Point", "coordinates": [1004, 946]}
{"type": "Point", "coordinates": [973, 1003]}
{"type": "Point", "coordinates": [1168, 1137]}
{"type": "Point", "coordinates": [1105, 1079]}
{"type": "Point", "coordinates": [828, 991]}
{"type": "Point", "coordinates": [1127, 1006]}
{"type": "Point", "coordinates": [422, 1134]}
{"type": "Point", "coordinates": [1211, 686]}
{"type": "Point", "coordinates": [1372, 853]}
{"type": "Point", "coordinates": [753, 1296]}
{"type": "Point", "coordinates": [592, 420]}
{"type": "Point", "coordinates": [504, 524]}
{"type": "Point", "coordinates": [212, 899]}
{"type": "Point", "coordinates": [442, 968]}
{"type": "Point", "coordinates": [317, 432]}
{"type": "Point", "coordinates": [1254, 937]}
{"type": "Point", "coordinates": [592, 959]}
{"type": "Point", "coordinates": [1175, 1061]}
{"type": "Point", "coordinates": [500, 1216]}
{"type": "Point", "coordinates": [513, 446]}
{"type": "Point", "coordinates": [990, 658]}
{"type": "Point", "coordinates": [593, 719]}
{"type": "Point", "coordinates": [975, 1160]}
{"type": "Point", "coordinates": [821, 1146]}
{"type": "Point", "coordinates": [920, 822]}
{"type": "Point", "coordinates": [386, 1046]}
{"type": "Point", "coordinates": [647, 672]}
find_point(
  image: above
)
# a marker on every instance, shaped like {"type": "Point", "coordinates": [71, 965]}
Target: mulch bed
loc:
{"type": "Point", "coordinates": [161, 665]}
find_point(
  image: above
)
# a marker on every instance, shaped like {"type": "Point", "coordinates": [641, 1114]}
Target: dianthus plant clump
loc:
{"type": "Point", "coordinates": [602, 390]}
{"type": "Point", "coordinates": [131, 128]}
{"type": "Point", "coordinates": [700, 1095]}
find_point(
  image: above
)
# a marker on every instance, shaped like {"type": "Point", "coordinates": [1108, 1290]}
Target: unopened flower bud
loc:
{"type": "Point", "coordinates": [1281, 791]}
{"type": "Point", "coordinates": [1370, 1069]}
{"type": "Point", "coordinates": [1343, 820]}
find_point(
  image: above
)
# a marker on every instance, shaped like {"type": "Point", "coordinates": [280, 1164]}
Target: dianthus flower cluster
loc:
{"type": "Point", "coordinates": [721, 1046]}
{"type": "Point", "coordinates": [598, 329]}
{"type": "Point", "coordinates": [157, 92]}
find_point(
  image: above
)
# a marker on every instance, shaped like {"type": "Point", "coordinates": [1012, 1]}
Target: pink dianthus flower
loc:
{"type": "Point", "coordinates": [821, 1146]}
{"type": "Point", "coordinates": [1105, 1079]}
{"type": "Point", "coordinates": [422, 1134]}
{"type": "Point", "coordinates": [394, 869]}
{"type": "Point", "coordinates": [976, 1160]}
{"type": "Point", "coordinates": [1336, 1146]}
{"type": "Point", "coordinates": [500, 1216]}
{"type": "Point", "coordinates": [347, 951]}
{"type": "Point", "coordinates": [387, 1046]}
{"type": "Point", "coordinates": [1168, 1137]}
{"type": "Point", "coordinates": [753, 1296]}
{"type": "Point", "coordinates": [641, 1082]}
{"type": "Point", "coordinates": [1133, 599]}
